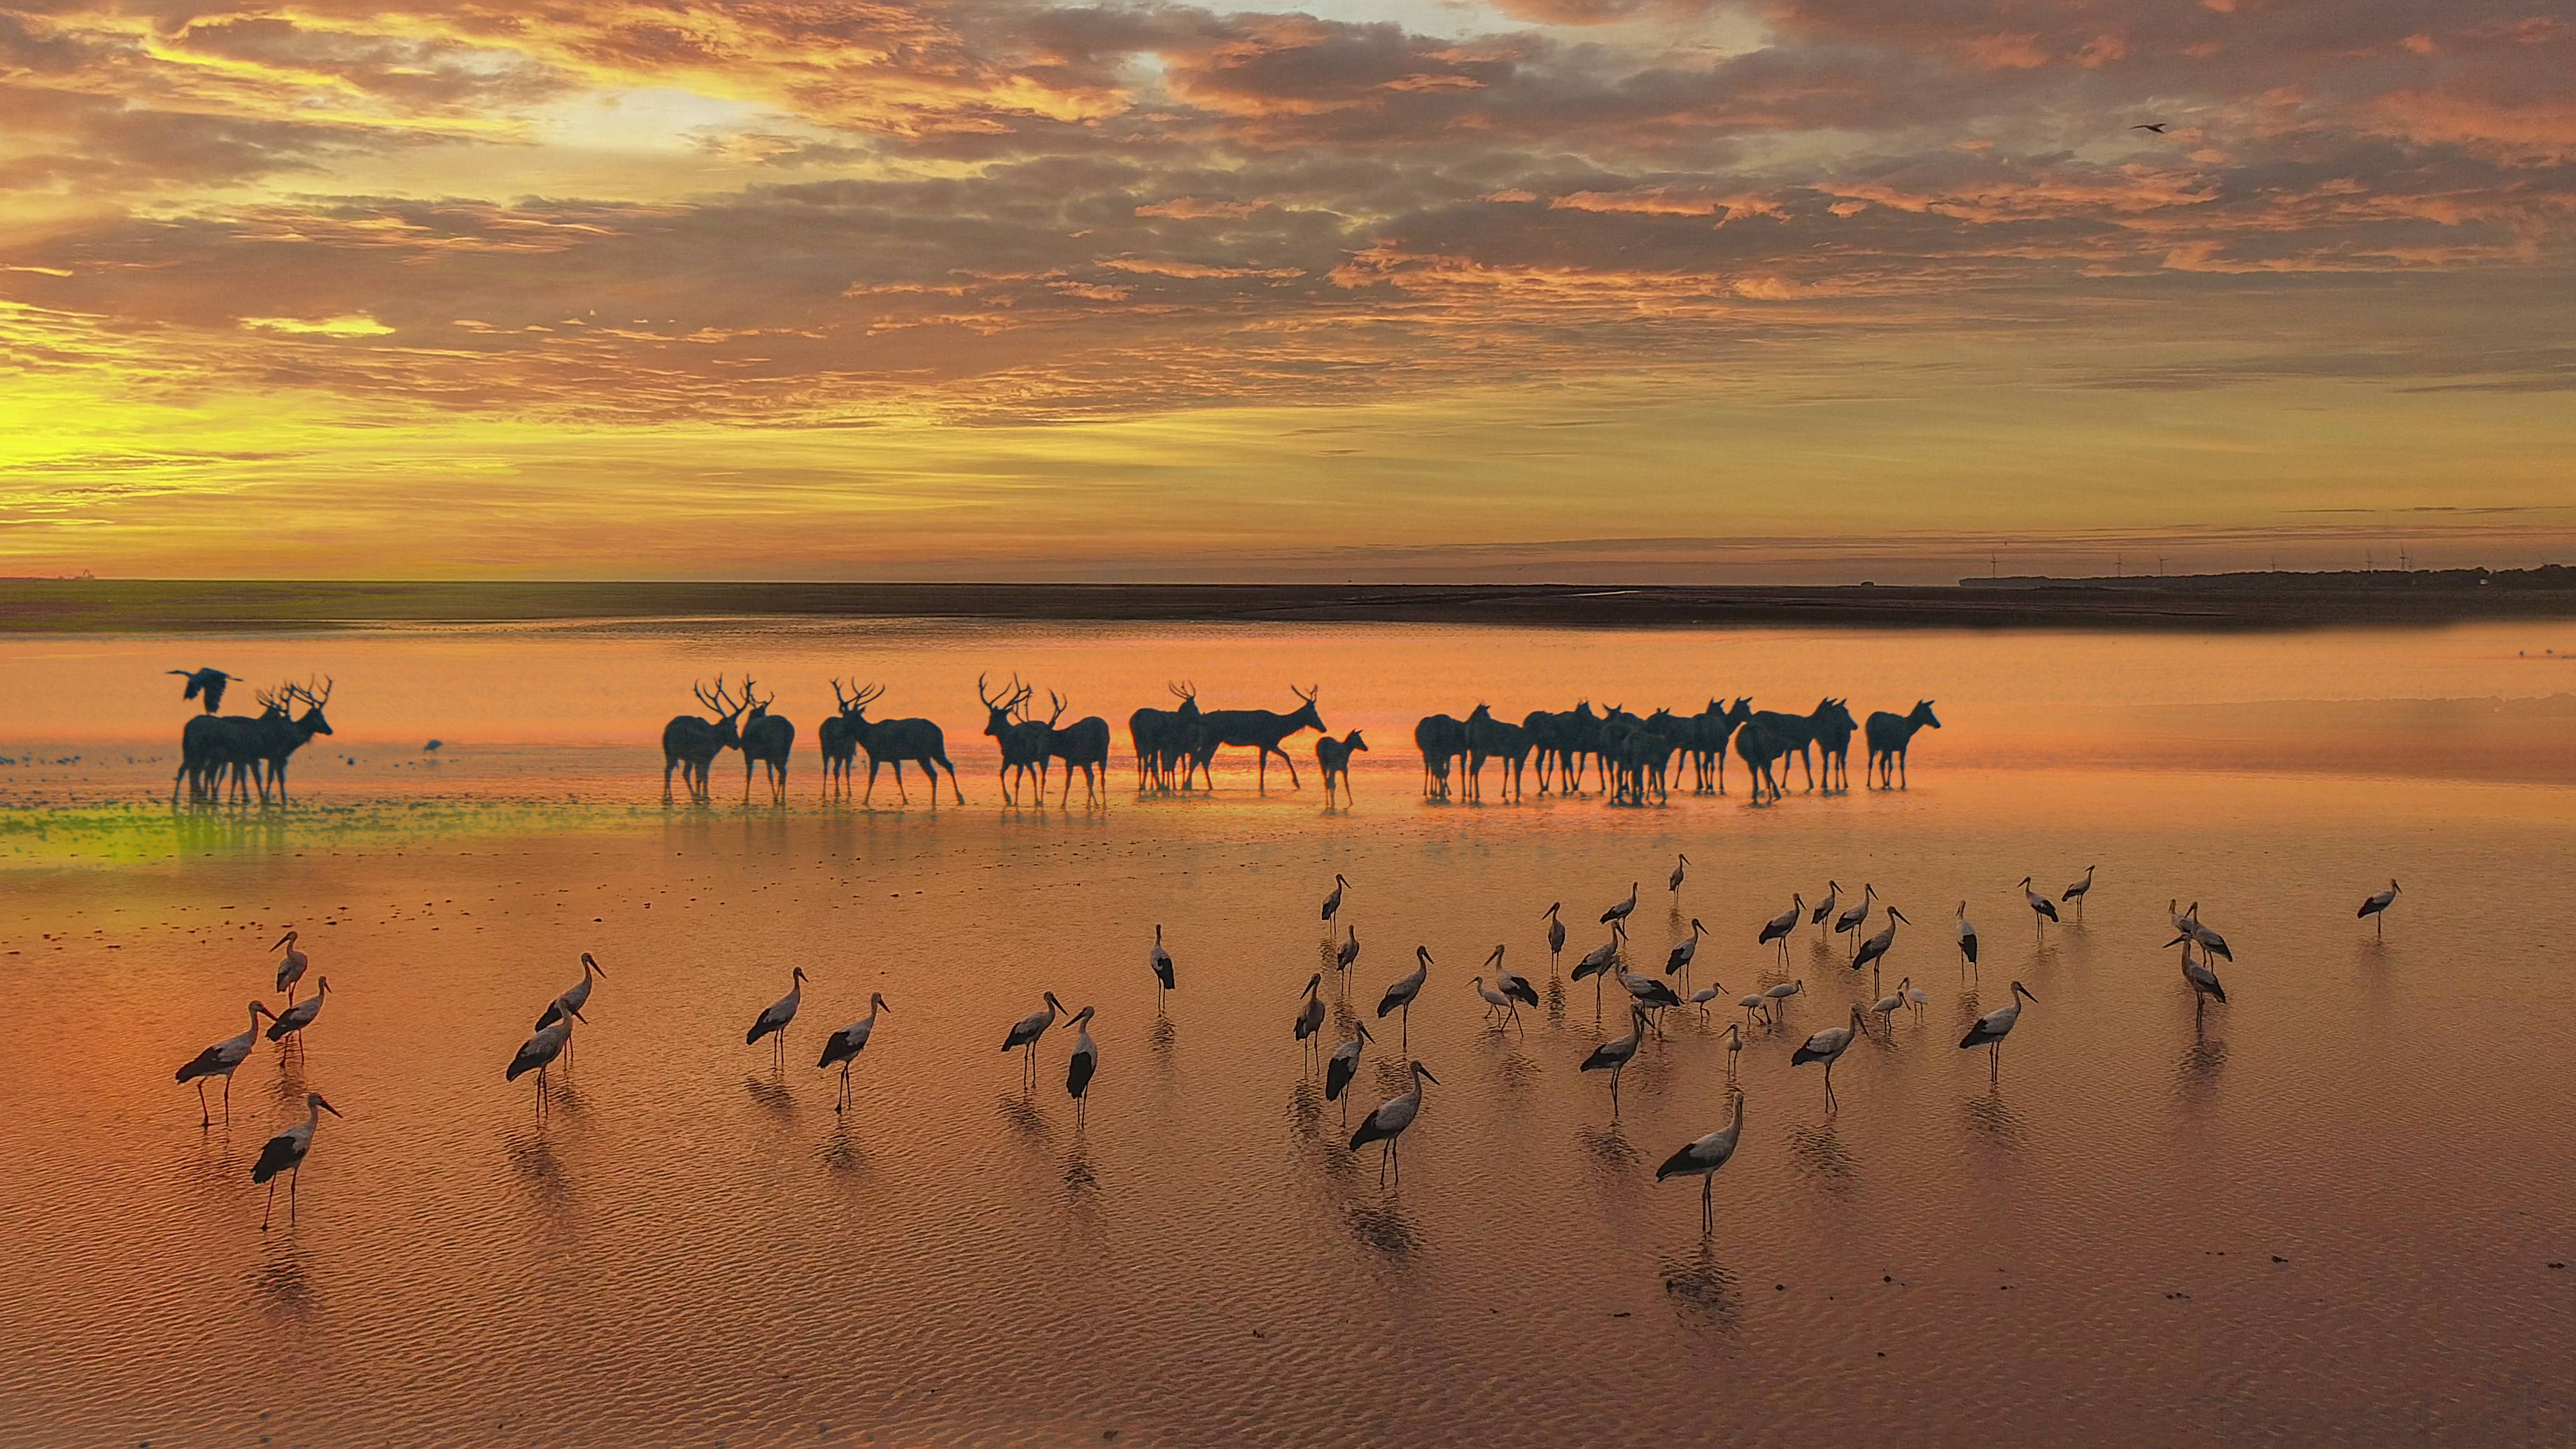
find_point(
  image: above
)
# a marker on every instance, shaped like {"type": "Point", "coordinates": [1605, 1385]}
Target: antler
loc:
{"type": "Point", "coordinates": [989, 701]}
{"type": "Point", "coordinates": [866, 696]}
{"type": "Point", "coordinates": [724, 700]}
{"type": "Point", "coordinates": [700, 690]}
{"type": "Point", "coordinates": [1020, 695]}
{"type": "Point", "coordinates": [1060, 707]}
{"type": "Point", "coordinates": [1307, 695]}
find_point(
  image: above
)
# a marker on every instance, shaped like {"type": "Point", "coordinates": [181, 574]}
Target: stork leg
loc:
{"type": "Point", "coordinates": [1830, 1103]}
{"type": "Point", "coordinates": [205, 1117]}
{"type": "Point", "coordinates": [270, 1207]}
{"type": "Point", "coordinates": [294, 1176]}
{"type": "Point", "coordinates": [1708, 1202]}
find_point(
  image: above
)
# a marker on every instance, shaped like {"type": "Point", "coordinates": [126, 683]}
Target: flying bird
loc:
{"type": "Point", "coordinates": [207, 682]}
{"type": "Point", "coordinates": [2156, 126]}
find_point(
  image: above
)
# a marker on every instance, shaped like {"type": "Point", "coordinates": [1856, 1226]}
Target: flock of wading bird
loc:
{"type": "Point", "coordinates": [1650, 995]}
{"type": "Point", "coordinates": [1630, 758]}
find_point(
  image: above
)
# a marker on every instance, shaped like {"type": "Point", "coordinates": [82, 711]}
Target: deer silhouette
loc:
{"type": "Point", "coordinates": [1578, 737]}
{"type": "Point", "coordinates": [838, 741]}
{"type": "Point", "coordinates": [1023, 742]}
{"type": "Point", "coordinates": [1760, 748]}
{"type": "Point", "coordinates": [897, 740]}
{"type": "Point", "coordinates": [1797, 732]}
{"type": "Point", "coordinates": [281, 737]}
{"type": "Point", "coordinates": [690, 744]}
{"type": "Point", "coordinates": [767, 739]}
{"type": "Point", "coordinates": [1491, 739]}
{"type": "Point", "coordinates": [1333, 757]}
{"type": "Point", "coordinates": [1890, 735]}
{"type": "Point", "coordinates": [1834, 728]}
{"type": "Point", "coordinates": [1162, 738]}
{"type": "Point", "coordinates": [1706, 735]}
{"type": "Point", "coordinates": [1085, 745]}
{"type": "Point", "coordinates": [212, 746]}
{"type": "Point", "coordinates": [1441, 739]}
{"type": "Point", "coordinates": [1258, 729]}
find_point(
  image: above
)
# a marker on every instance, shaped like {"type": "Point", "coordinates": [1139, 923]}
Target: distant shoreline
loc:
{"type": "Point", "coordinates": [2198, 602]}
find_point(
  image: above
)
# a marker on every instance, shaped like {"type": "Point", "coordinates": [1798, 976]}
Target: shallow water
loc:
{"type": "Point", "coordinates": [2325, 1212]}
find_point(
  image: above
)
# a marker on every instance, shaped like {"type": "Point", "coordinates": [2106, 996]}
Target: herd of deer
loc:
{"type": "Point", "coordinates": [1632, 758]}
{"type": "Point", "coordinates": [252, 749]}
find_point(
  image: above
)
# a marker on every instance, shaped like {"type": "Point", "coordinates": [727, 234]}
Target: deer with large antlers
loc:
{"type": "Point", "coordinates": [1163, 737]}
{"type": "Point", "coordinates": [1258, 729]}
{"type": "Point", "coordinates": [1083, 745]}
{"type": "Point", "coordinates": [767, 739]}
{"type": "Point", "coordinates": [690, 744]}
{"type": "Point", "coordinates": [1023, 742]}
{"type": "Point", "coordinates": [897, 740]}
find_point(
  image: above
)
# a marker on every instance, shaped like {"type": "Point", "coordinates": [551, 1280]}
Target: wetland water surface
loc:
{"type": "Point", "coordinates": [2326, 1211]}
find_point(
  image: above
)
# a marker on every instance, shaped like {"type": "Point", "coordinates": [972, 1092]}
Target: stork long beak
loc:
{"type": "Point", "coordinates": [327, 1107]}
{"type": "Point", "coordinates": [1425, 1073]}
{"type": "Point", "coordinates": [576, 1014]}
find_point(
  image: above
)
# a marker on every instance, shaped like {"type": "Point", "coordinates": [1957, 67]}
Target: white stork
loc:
{"type": "Point", "coordinates": [1084, 1061]}
{"type": "Point", "coordinates": [1399, 995]}
{"type": "Point", "coordinates": [221, 1060]}
{"type": "Point", "coordinates": [1161, 961]}
{"type": "Point", "coordinates": [1333, 902]}
{"type": "Point", "coordinates": [1824, 909]}
{"type": "Point", "coordinates": [1499, 1008]}
{"type": "Point", "coordinates": [2376, 907]}
{"type": "Point", "coordinates": [1779, 927]}
{"type": "Point", "coordinates": [1510, 982]}
{"type": "Point", "coordinates": [2204, 981]}
{"type": "Point", "coordinates": [290, 967]}
{"type": "Point", "coordinates": [1967, 937]}
{"type": "Point", "coordinates": [538, 1052]}
{"type": "Point", "coordinates": [1388, 1122]}
{"type": "Point", "coordinates": [1681, 867]}
{"type": "Point", "coordinates": [1025, 1032]}
{"type": "Point", "coordinates": [1310, 1015]}
{"type": "Point", "coordinates": [574, 997]}
{"type": "Point", "coordinates": [2078, 891]}
{"type": "Point", "coordinates": [1621, 911]}
{"type": "Point", "coordinates": [1780, 994]}
{"type": "Point", "coordinates": [1873, 950]}
{"type": "Point", "coordinates": [842, 1047]}
{"type": "Point", "coordinates": [1828, 1046]}
{"type": "Point", "coordinates": [1613, 1056]}
{"type": "Point", "coordinates": [1705, 1157]}
{"type": "Point", "coordinates": [285, 1153]}
{"type": "Point", "coordinates": [1850, 922]}
{"type": "Point", "coordinates": [1679, 959]}
{"type": "Point", "coordinates": [1886, 1007]}
{"type": "Point", "coordinates": [2042, 909]}
{"type": "Point", "coordinates": [1994, 1026]}
{"type": "Point", "coordinates": [774, 1017]}
{"type": "Point", "coordinates": [1345, 1063]}
{"type": "Point", "coordinates": [296, 1017]}
{"type": "Point", "coordinates": [1555, 935]}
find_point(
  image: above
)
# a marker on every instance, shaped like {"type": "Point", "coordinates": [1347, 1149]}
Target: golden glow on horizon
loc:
{"type": "Point", "coordinates": [604, 289]}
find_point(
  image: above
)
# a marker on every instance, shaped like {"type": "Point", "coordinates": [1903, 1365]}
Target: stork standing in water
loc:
{"type": "Point", "coordinates": [1161, 961]}
{"type": "Point", "coordinates": [1705, 1157]}
{"type": "Point", "coordinates": [1779, 995]}
{"type": "Point", "coordinates": [1025, 1032]}
{"type": "Point", "coordinates": [2204, 981]}
{"type": "Point", "coordinates": [1706, 994]}
{"type": "Point", "coordinates": [2042, 909]}
{"type": "Point", "coordinates": [1345, 1063]}
{"type": "Point", "coordinates": [1681, 867]}
{"type": "Point", "coordinates": [1759, 1001]}
{"type": "Point", "coordinates": [1613, 1056]}
{"type": "Point", "coordinates": [1310, 1015]}
{"type": "Point", "coordinates": [1084, 1061]}
{"type": "Point", "coordinates": [1779, 927]}
{"type": "Point", "coordinates": [1993, 1027]}
{"type": "Point", "coordinates": [1734, 1046]}
{"type": "Point", "coordinates": [2376, 908]}
{"type": "Point", "coordinates": [1621, 911]}
{"type": "Point", "coordinates": [1824, 909]}
{"type": "Point", "coordinates": [1683, 950]}
{"type": "Point", "coordinates": [1399, 996]}
{"type": "Point", "coordinates": [1886, 1007]}
{"type": "Point", "coordinates": [290, 967]}
{"type": "Point", "coordinates": [538, 1052]}
{"type": "Point", "coordinates": [1333, 902]}
{"type": "Point", "coordinates": [1510, 982]}
{"type": "Point", "coordinates": [1967, 937]}
{"type": "Point", "coordinates": [285, 1153]}
{"type": "Point", "coordinates": [842, 1047]}
{"type": "Point", "coordinates": [1828, 1046]}
{"type": "Point", "coordinates": [1599, 960]}
{"type": "Point", "coordinates": [1499, 1008]}
{"type": "Point", "coordinates": [1555, 936]}
{"type": "Point", "coordinates": [1850, 922]}
{"type": "Point", "coordinates": [1650, 993]}
{"type": "Point", "coordinates": [1914, 997]}
{"type": "Point", "coordinates": [773, 1019]}
{"type": "Point", "coordinates": [2078, 891]}
{"type": "Point", "coordinates": [1388, 1122]}
{"type": "Point", "coordinates": [222, 1060]}
{"type": "Point", "coordinates": [573, 997]}
{"type": "Point", "coordinates": [2211, 943]}
{"type": "Point", "coordinates": [293, 1020]}
{"type": "Point", "coordinates": [1874, 950]}
{"type": "Point", "coordinates": [1343, 959]}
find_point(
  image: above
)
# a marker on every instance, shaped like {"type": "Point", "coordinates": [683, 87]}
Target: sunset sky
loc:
{"type": "Point", "coordinates": [1812, 289]}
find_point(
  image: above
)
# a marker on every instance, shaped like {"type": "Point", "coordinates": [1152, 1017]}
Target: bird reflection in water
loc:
{"type": "Point", "coordinates": [1081, 1186]}
{"type": "Point", "coordinates": [281, 1285]}
{"type": "Point", "coordinates": [1612, 1156]}
{"type": "Point", "coordinates": [1023, 1118]}
{"type": "Point", "coordinates": [1702, 1290]}
{"type": "Point", "coordinates": [1820, 1155]}
{"type": "Point", "coordinates": [2197, 1073]}
{"type": "Point", "coordinates": [841, 1156]}
{"type": "Point", "coordinates": [772, 1096]}
{"type": "Point", "coordinates": [1305, 1109]}
{"type": "Point", "coordinates": [1382, 1225]}
{"type": "Point", "coordinates": [1160, 1038]}
{"type": "Point", "coordinates": [540, 1174]}
{"type": "Point", "coordinates": [1991, 1119]}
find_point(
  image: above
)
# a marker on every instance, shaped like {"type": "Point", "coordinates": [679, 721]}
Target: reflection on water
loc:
{"type": "Point", "coordinates": [959, 1259]}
